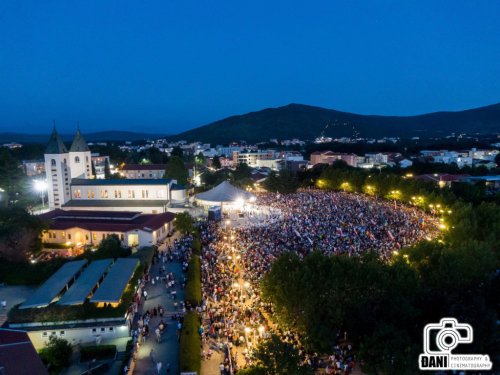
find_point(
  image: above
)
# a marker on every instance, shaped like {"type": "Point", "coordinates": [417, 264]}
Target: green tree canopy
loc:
{"type": "Point", "coordinates": [13, 180]}
{"type": "Point", "coordinates": [177, 151]}
{"type": "Point", "coordinates": [20, 233]}
{"type": "Point", "coordinates": [282, 182]}
{"type": "Point", "coordinates": [184, 222]}
{"type": "Point", "coordinates": [276, 357]}
{"type": "Point", "coordinates": [216, 162]}
{"type": "Point", "coordinates": [57, 353]}
{"type": "Point", "coordinates": [201, 161]}
{"type": "Point", "coordinates": [176, 170]}
{"type": "Point", "coordinates": [107, 171]}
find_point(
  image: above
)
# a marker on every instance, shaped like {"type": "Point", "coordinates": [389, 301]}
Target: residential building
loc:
{"type": "Point", "coordinates": [328, 157]}
{"type": "Point", "coordinates": [492, 182]}
{"type": "Point", "coordinates": [34, 167]}
{"type": "Point", "coordinates": [99, 164]}
{"type": "Point", "coordinates": [146, 171]}
{"type": "Point", "coordinates": [251, 158]}
{"type": "Point", "coordinates": [12, 145]}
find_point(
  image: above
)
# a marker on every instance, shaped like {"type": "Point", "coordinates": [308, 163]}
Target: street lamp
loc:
{"type": "Point", "coordinates": [41, 186]}
{"type": "Point", "coordinates": [227, 223]}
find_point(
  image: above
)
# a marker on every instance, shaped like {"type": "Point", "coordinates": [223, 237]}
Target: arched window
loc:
{"type": "Point", "coordinates": [77, 159]}
{"type": "Point", "coordinates": [53, 162]}
{"type": "Point", "coordinates": [87, 158]}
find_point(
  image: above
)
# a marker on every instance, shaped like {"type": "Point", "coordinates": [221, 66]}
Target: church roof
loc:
{"type": "Point", "coordinates": [56, 145]}
{"type": "Point", "coordinates": [79, 144]}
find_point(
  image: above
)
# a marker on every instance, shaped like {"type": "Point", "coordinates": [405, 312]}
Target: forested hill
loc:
{"type": "Point", "coordinates": [307, 122]}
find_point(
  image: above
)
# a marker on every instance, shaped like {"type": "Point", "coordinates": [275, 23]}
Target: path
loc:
{"type": "Point", "coordinates": [13, 295]}
{"type": "Point", "coordinates": [168, 349]}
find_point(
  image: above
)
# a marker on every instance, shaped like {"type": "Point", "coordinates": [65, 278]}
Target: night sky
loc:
{"type": "Point", "coordinates": [172, 65]}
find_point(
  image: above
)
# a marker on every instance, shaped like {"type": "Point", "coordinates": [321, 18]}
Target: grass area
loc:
{"type": "Point", "coordinates": [196, 246]}
{"type": "Point", "coordinates": [88, 353]}
{"type": "Point", "coordinates": [193, 288]}
{"type": "Point", "coordinates": [189, 351]}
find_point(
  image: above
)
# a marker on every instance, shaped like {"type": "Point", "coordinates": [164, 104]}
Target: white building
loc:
{"type": "Point", "coordinates": [71, 187]}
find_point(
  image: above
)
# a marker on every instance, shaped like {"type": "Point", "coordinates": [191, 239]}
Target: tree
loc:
{"type": "Point", "coordinates": [57, 353]}
{"type": "Point", "coordinates": [107, 171]}
{"type": "Point", "coordinates": [184, 222]}
{"type": "Point", "coordinates": [13, 180]}
{"type": "Point", "coordinates": [275, 356]}
{"type": "Point", "coordinates": [177, 151]}
{"type": "Point", "coordinates": [216, 162]}
{"type": "Point", "coordinates": [94, 173]}
{"type": "Point", "coordinates": [201, 161]}
{"type": "Point", "coordinates": [20, 234]}
{"type": "Point", "coordinates": [176, 170]}
{"type": "Point", "coordinates": [283, 182]}
{"type": "Point", "coordinates": [497, 160]}
{"type": "Point", "coordinates": [242, 171]}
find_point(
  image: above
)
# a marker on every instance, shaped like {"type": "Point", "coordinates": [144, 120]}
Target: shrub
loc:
{"type": "Point", "coordinates": [88, 353]}
{"type": "Point", "coordinates": [27, 273]}
{"type": "Point", "coordinates": [47, 245]}
{"type": "Point", "coordinates": [128, 350]}
{"type": "Point", "coordinates": [189, 351]}
{"type": "Point", "coordinates": [193, 288]}
{"type": "Point", "coordinates": [56, 353]}
{"type": "Point", "coordinates": [196, 246]}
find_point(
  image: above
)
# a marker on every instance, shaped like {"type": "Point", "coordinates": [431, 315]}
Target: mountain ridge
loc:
{"type": "Point", "coordinates": [307, 122]}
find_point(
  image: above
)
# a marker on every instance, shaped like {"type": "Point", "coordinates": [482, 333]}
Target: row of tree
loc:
{"type": "Point", "coordinates": [384, 307]}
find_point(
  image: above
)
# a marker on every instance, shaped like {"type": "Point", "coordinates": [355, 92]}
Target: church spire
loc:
{"type": "Point", "coordinates": [79, 144]}
{"type": "Point", "coordinates": [56, 145]}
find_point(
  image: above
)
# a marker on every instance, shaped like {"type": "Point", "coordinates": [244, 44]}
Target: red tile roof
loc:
{"type": "Point", "coordinates": [118, 221]}
{"type": "Point", "coordinates": [18, 355]}
{"type": "Point", "coordinates": [143, 167]}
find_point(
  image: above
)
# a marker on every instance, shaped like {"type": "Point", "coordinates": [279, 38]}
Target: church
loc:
{"type": "Point", "coordinates": [72, 189]}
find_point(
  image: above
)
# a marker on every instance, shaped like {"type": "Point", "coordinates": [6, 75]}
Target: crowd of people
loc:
{"type": "Point", "coordinates": [235, 259]}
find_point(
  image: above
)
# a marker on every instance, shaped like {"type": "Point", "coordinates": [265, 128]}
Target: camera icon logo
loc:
{"type": "Point", "coordinates": [439, 341]}
{"type": "Point", "coordinates": [448, 334]}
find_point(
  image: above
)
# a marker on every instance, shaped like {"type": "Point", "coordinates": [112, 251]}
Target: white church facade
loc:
{"type": "Point", "coordinates": [72, 189]}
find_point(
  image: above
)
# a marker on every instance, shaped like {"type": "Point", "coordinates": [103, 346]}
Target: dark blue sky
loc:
{"type": "Point", "coordinates": [171, 65]}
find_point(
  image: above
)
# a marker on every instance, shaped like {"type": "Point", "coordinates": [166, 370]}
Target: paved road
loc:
{"type": "Point", "coordinates": [168, 349]}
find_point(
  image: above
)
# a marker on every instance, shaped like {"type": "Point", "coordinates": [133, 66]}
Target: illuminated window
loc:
{"type": "Point", "coordinates": [130, 193]}
{"type": "Point", "coordinates": [147, 193]}
{"type": "Point", "coordinates": [94, 236]}
{"type": "Point", "coordinates": [92, 194]}
{"type": "Point", "coordinates": [143, 194]}
{"type": "Point", "coordinates": [88, 193]}
{"type": "Point", "coordinates": [63, 235]}
{"type": "Point", "coordinates": [103, 236]}
{"type": "Point", "coordinates": [133, 193]}
{"type": "Point", "coordinates": [79, 194]}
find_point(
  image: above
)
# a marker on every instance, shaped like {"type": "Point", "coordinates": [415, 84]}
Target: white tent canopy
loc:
{"type": "Point", "coordinates": [224, 193]}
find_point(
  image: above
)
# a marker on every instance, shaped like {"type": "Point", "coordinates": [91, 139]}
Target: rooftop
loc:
{"type": "Point", "coordinates": [143, 167]}
{"type": "Point", "coordinates": [18, 355]}
{"type": "Point", "coordinates": [116, 281]}
{"type": "Point", "coordinates": [49, 290]}
{"type": "Point", "coordinates": [115, 203]}
{"type": "Point", "coordinates": [126, 182]}
{"type": "Point", "coordinates": [79, 291]}
{"type": "Point", "coordinates": [109, 221]}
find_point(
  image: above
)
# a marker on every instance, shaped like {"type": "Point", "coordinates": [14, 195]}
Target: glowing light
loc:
{"type": "Point", "coordinates": [40, 185]}
{"type": "Point", "coordinates": [239, 202]}
{"type": "Point", "coordinates": [261, 329]}
{"type": "Point", "coordinates": [247, 329]}
{"type": "Point", "coordinates": [247, 284]}
{"type": "Point", "coordinates": [236, 285]}
{"type": "Point", "coordinates": [252, 199]}
{"type": "Point", "coordinates": [442, 226]}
